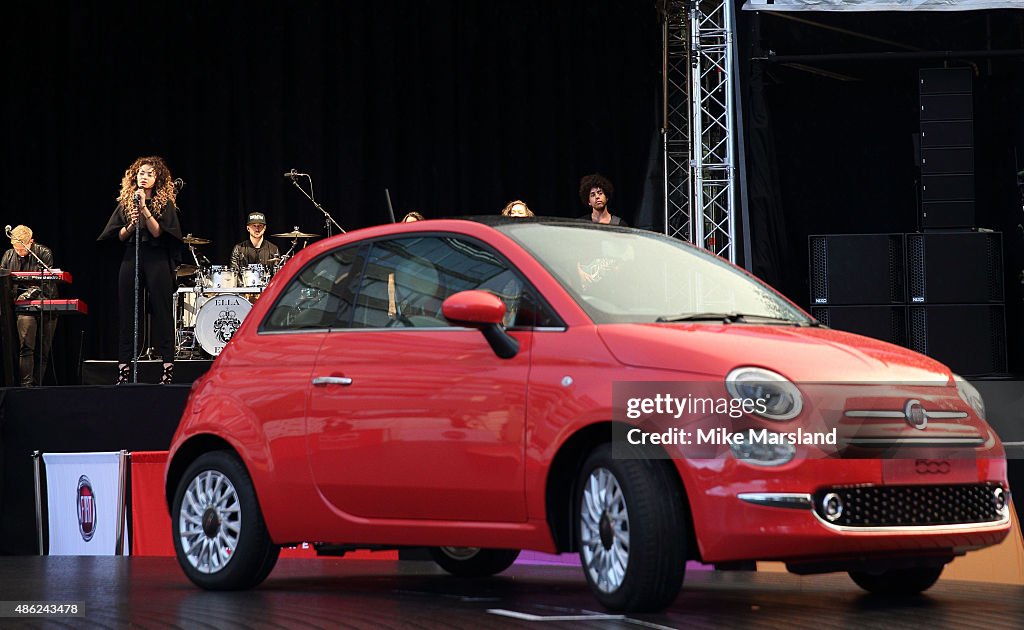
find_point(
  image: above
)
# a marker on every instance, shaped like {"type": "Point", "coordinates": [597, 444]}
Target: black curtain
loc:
{"type": "Point", "coordinates": [455, 107]}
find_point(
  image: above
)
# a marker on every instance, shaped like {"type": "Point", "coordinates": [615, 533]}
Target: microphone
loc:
{"type": "Point", "coordinates": [179, 183]}
{"type": "Point", "coordinates": [7, 230]}
{"type": "Point", "coordinates": [293, 174]}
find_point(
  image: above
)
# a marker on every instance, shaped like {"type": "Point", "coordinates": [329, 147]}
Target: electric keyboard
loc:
{"type": "Point", "coordinates": [60, 307]}
{"type": "Point", "coordinates": [30, 277]}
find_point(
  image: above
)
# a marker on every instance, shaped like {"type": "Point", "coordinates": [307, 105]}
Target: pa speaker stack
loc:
{"type": "Point", "coordinates": [938, 293]}
{"type": "Point", "coordinates": [947, 148]}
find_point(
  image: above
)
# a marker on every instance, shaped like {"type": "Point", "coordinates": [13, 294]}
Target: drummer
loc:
{"type": "Point", "coordinates": [254, 250]}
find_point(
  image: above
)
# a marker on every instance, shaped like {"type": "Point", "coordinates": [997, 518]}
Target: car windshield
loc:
{"type": "Point", "coordinates": [624, 275]}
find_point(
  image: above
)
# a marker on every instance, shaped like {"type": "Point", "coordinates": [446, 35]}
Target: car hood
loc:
{"type": "Point", "coordinates": [802, 354]}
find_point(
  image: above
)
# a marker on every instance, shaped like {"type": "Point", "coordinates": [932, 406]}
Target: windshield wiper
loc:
{"type": "Point", "coordinates": [728, 318]}
{"type": "Point", "coordinates": [702, 317]}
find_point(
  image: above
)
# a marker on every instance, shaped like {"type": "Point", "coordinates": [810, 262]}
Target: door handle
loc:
{"type": "Point", "coordinates": [321, 381]}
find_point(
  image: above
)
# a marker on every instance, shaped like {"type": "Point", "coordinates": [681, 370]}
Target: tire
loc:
{"type": "Point", "coordinates": [898, 582]}
{"type": "Point", "coordinates": [631, 523]}
{"type": "Point", "coordinates": [473, 561]}
{"type": "Point", "coordinates": [220, 538]}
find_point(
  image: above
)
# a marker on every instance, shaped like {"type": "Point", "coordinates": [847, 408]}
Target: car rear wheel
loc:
{"type": "Point", "coordinates": [220, 538]}
{"type": "Point", "coordinates": [473, 561]}
{"type": "Point", "coordinates": [632, 531]}
{"type": "Point", "coordinates": [898, 581]}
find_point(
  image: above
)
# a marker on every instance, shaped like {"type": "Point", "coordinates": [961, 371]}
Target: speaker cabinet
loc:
{"type": "Point", "coordinates": [947, 187]}
{"type": "Point", "coordinates": [944, 133]}
{"type": "Point", "coordinates": [945, 80]}
{"type": "Point", "coordinates": [947, 214]}
{"type": "Point", "coordinates": [969, 338]}
{"type": "Point", "coordinates": [947, 160]}
{"type": "Point", "coordinates": [851, 269]}
{"type": "Point", "coordinates": [888, 323]}
{"type": "Point", "coordinates": [947, 107]}
{"type": "Point", "coordinates": [955, 268]}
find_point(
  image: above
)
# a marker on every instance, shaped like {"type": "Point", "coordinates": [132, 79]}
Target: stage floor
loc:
{"type": "Point", "coordinates": [339, 593]}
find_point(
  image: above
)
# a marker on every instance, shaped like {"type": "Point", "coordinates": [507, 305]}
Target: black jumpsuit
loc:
{"type": "Point", "coordinates": [157, 258]}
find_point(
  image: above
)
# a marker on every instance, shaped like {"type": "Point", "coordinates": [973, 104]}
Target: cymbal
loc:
{"type": "Point", "coordinates": [194, 240]}
{"type": "Point", "coordinates": [184, 271]}
{"type": "Point", "coordinates": [294, 234]}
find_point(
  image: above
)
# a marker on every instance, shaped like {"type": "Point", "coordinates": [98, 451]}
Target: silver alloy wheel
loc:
{"type": "Point", "coordinates": [604, 530]}
{"type": "Point", "coordinates": [210, 521]}
{"type": "Point", "coordinates": [460, 553]}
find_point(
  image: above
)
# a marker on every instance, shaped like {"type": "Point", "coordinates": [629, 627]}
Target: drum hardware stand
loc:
{"type": "Point", "coordinates": [328, 219]}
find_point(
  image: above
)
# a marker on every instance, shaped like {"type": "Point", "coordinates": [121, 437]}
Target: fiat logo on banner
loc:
{"type": "Point", "coordinates": [86, 509]}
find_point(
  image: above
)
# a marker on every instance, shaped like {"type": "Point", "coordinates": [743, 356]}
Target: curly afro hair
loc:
{"type": "Point", "coordinates": [595, 180]}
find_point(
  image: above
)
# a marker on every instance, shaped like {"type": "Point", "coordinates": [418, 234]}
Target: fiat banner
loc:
{"type": "Point", "coordinates": [85, 499]}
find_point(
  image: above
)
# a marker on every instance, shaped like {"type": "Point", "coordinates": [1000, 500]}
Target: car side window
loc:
{"type": "Point", "coordinates": [407, 279]}
{"type": "Point", "coordinates": [320, 296]}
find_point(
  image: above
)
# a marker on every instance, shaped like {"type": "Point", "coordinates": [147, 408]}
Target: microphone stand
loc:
{"type": "Point", "coordinates": [328, 219]}
{"type": "Point", "coordinates": [135, 308]}
{"type": "Point", "coordinates": [42, 300]}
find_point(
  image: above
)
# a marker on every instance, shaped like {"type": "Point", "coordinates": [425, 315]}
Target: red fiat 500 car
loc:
{"type": "Point", "coordinates": [482, 387]}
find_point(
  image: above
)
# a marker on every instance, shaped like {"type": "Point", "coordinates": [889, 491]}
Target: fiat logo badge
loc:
{"type": "Point", "coordinates": [915, 415]}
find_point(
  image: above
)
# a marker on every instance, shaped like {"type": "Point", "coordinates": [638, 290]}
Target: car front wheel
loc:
{"type": "Point", "coordinates": [220, 538]}
{"type": "Point", "coordinates": [898, 581]}
{"type": "Point", "coordinates": [473, 561]}
{"type": "Point", "coordinates": [631, 527]}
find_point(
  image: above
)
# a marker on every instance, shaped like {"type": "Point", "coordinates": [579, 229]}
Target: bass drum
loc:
{"type": "Point", "coordinates": [218, 320]}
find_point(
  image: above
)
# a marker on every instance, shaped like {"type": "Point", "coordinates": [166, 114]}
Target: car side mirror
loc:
{"type": "Point", "coordinates": [485, 312]}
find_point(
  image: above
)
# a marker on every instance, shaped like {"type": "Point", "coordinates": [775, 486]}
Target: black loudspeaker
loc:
{"type": "Point", "coordinates": [946, 133]}
{"type": "Point", "coordinates": [945, 80]}
{"type": "Point", "coordinates": [947, 107]}
{"type": "Point", "coordinates": [947, 214]}
{"type": "Point", "coordinates": [969, 338]}
{"type": "Point", "coordinates": [888, 323]}
{"type": "Point", "coordinates": [857, 269]}
{"type": "Point", "coordinates": [947, 160]}
{"type": "Point", "coordinates": [958, 187]}
{"type": "Point", "coordinates": [955, 268]}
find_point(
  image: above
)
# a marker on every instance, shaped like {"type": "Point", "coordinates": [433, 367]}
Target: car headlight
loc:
{"type": "Point", "coordinates": [765, 393]}
{"type": "Point", "coordinates": [762, 454]}
{"type": "Point", "coordinates": [970, 395]}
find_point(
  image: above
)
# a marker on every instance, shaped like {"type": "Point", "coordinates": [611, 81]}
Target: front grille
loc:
{"type": "Point", "coordinates": [912, 506]}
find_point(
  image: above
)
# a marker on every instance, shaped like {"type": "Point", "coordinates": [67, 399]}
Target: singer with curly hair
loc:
{"type": "Point", "coordinates": [146, 211]}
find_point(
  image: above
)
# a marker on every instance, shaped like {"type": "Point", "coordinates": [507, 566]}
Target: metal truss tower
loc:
{"type": "Point", "coordinates": [699, 144]}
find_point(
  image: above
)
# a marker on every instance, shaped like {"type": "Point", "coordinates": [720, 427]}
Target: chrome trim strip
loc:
{"type": "Point", "coordinates": [873, 414]}
{"type": "Point", "coordinates": [900, 414]}
{"type": "Point", "coordinates": [935, 529]}
{"type": "Point", "coordinates": [791, 500]}
{"type": "Point", "coordinates": [945, 414]}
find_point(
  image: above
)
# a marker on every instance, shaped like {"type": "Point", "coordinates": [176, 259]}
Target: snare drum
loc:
{"type": "Point", "coordinates": [256, 275]}
{"type": "Point", "coordinates": [219, 319]}
{"type": "Point", "coordinates": [218, 277]}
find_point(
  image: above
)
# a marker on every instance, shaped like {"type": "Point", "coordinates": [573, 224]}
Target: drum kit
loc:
{"type": "Point", "coordinates": [212, 300]}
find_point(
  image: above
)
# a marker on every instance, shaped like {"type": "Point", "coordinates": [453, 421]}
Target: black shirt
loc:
{"type": "Point", "coordinates": [13, 262]}
{"type": "Point", "coordinates": [245, 254]}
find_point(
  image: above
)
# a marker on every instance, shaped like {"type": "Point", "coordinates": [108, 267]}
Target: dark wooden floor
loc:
{"type": "Point", "coordinates": [330, 593]}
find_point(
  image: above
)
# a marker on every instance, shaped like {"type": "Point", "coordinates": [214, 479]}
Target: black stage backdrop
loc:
{"type": "Point", "coordinates": [455, 107]}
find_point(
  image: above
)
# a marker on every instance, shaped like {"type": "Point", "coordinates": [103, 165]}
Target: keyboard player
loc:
{"type": "Point", "coordinates": [19, 258]}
